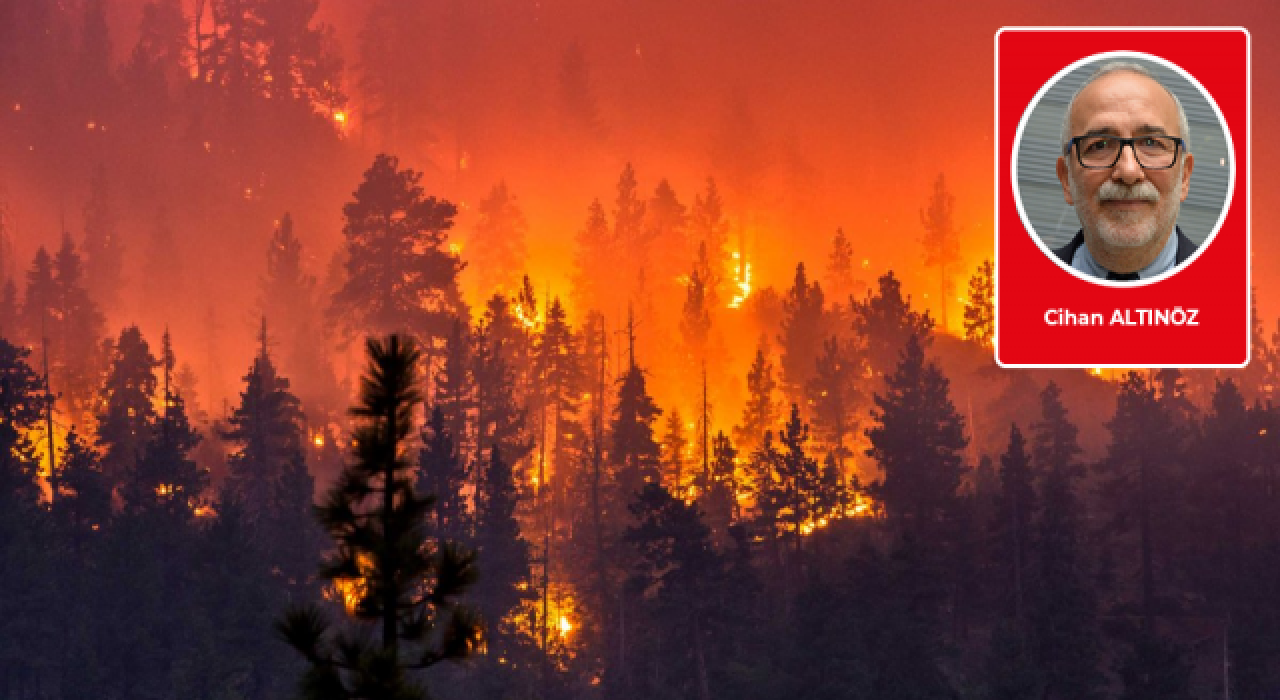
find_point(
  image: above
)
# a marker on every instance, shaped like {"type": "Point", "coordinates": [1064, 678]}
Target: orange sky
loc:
{"type": "Point", "coordinates": [863, 104]}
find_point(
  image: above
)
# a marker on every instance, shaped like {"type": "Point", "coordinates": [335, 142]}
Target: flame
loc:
{"type": "Point", "coordinates": [318, 440]}
{"type": "Point", "coordinates": [353, 590]}
{"type": "Point", "coordinates": [523, 316]}
{"type": "Point", "coordinates": [741, 280]}
{"type": "Point", "coordinates": [565, 627]}
{"type": "Point", "coordinates": [340, 117]}
{"type": "Point", "coordinates": [455, 248]}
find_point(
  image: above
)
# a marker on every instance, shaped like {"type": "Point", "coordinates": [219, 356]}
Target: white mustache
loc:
{"type": "Point", "coordinates": [1116, 191]}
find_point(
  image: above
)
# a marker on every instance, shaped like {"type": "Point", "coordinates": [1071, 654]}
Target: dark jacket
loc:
{"type": "Point", "coordinates": [1185, 247]}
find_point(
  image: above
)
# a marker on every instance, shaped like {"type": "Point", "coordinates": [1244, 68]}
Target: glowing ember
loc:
{"type": "Point", "coordinates": [565, 627]}
{"type": "Point", "coordinates": [318, 440]}
{"type": "Point", "coordinates": [340, 117]}
{"type": "Point", "coordinates": [455, 248]}
{"type": "Point", "coordinates": [353, 590]}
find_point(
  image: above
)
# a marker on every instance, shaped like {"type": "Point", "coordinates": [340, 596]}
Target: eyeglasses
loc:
{"type": "Point", "coordinates": [1099, 152]}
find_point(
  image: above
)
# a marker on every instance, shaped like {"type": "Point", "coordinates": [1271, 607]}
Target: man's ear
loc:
{"type": "Point", "coordinates": [1188, 162]}
{"type": "Point", "coordinates": [1066, 184]}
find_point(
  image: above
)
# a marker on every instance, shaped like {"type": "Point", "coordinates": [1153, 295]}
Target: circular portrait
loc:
{"type": "Point", "coordinates": [1122, 167]}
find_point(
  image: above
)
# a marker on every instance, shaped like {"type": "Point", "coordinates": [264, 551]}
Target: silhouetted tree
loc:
{"type": "Point", "coordinates": [761, 411]}
{"type": "Point", "coordinates": [677, 576]}
{"type": "Point", "coordinates": [1138, 481]}
{"type": "Point", "coordinates": [441, 475]}
{"type": "Point", "coordinates": [400, 276]}
{"type": "Point", "coordinates": [75, 336]}
{"type": "Point", "coordinates": [884, 321]}
{"type": "Point", "coordinates": [505, 585]}
{"type": "Point", "coordinates": [403, 590]}
{"type": "Point", "coordinates": [128, 416]}
{"type": "Point", "coordinates": [979, 310]}
{"type": "Point", "coordinates": [918, 440]}
{"type": "Point", "coordinates": [834, 395]}
{"type": "Point", "coordinates": [633, 448]}
{"type": "Point", "coordinates": [1062, 606]}
{"type": "Point", "coordinates": [804, 325]}
{"type": "Point", "coordinates": [674, 445]}
{"type": "Point", "coordinates": [840, 282]}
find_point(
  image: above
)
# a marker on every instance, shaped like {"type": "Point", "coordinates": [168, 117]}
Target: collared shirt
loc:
{"type": "Point", "coordinates": [1084, 262]}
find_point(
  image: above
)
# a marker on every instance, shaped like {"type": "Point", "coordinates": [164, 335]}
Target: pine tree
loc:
{"type": "Point", "coordinates": [560, 373]}
{"type": "Point", "coordinates": [441, 475]}
{"type": "Point", "coordinates": [677, 576]}
{"type": "Point", "coordinates": [29, 629]}
{"type": "Point", "coordinates": [674, 447]}
{"type": "Point", "coordinates": [918, 440]}
{"type": "Point", "coordinates": [400, 276]}
{"type": "Point", "coordinates": [979, 310]}
{"type": "Point", "coordinates": [834, 396]}
{"type": "Point", "coordinates": [633, 448]}
{"type": "Point", "coordinates": [761, 411]}
{"type": "Point", "coordinates": [127, 418]}
{"type": "Point", "coordinates": [401, 589]}
{"type": "Point", "coordinates": [23, 403]}
{"type": "Point", "coordinates": [840, 280]}
{"type": "Point", "coordinates": [507, 557]}
{"type": "Point", "coordinates": [84, 496]}
{"type": "Point", "coordinates": [666, 231]}
{"type": "Point", "coordinates": [695, 324]}
{"type": "Point", "coordinates": [40, 302]}
{"type": "Point", "coordinates": [455, 389]}
{"type": "Point", "coordinates": [268, 478]}
{"type": "Point", "coordinates": [1011, 527]}
{"type": "Point", "coordinates": [165, 482]}
{"type": "Point", "coordinates": [884, 321]}
{"type": "Point", "coordinates": [76, 336]}
{"type": "Point", "coordinates": [499, 239]}
{"type": "Point", "coordinates": [709, 233]}
{"type": "Point", "coordinates": [718, 492]}
{"type": "Point", "coordinates": [1138, 481]}
{"type": "Point", "coordinates": [804, 325]}
{"type": "Point", "coordinates": [1062, 610]}
{"type": "Point", "coordinates": [941, 242]}
{"type": "Point", "coordinates": [500, 347]}
{"type": "Point", "coordinates": [596, 257]}
{"type": "Point", "coordinates": [628, 230]}
{"type": "Point", "coordinates": [788, 482]}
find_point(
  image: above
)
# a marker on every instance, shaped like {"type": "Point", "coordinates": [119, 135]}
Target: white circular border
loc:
{"type": "Point", "coordinates": [1017, 146]}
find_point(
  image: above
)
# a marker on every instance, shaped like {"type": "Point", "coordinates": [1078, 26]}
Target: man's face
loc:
{"type": "Point", "coordinates": [1126, 206]}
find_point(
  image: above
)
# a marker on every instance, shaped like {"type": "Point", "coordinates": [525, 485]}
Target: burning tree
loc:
{"type": "Point", "coordinates": [396, 578]}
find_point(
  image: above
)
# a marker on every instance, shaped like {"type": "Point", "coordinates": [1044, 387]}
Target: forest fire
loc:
{"type": "Point", "coordinates": [687, 439]}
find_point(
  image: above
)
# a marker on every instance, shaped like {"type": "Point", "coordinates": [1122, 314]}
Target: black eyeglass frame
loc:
{"type": "Point", "coordinates": [1074, 145]}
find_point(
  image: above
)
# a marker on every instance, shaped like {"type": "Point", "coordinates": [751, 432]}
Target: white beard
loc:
{"type": "Point", "coordinates": [1126, 229]}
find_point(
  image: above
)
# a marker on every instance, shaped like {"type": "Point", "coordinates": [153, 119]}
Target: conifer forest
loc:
{"type": "Point", "coordinates": [570, 350]}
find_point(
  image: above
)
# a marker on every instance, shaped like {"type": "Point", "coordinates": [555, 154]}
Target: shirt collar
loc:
{"type": "Point", "coordinates": [1084, 262]}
